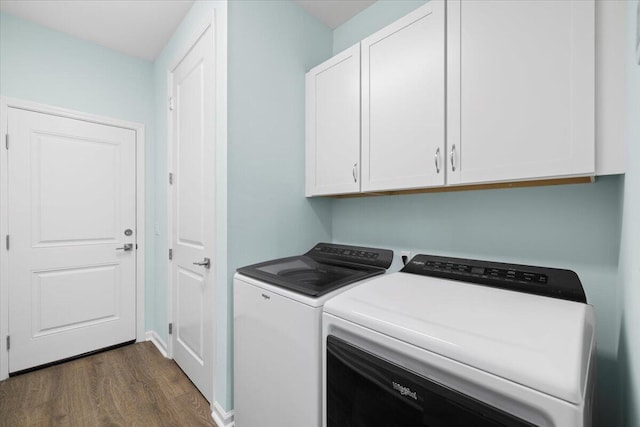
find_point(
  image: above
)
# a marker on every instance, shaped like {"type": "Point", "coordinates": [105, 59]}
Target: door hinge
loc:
{"type": "Point", "coordinates": [171, 103]}
{"type": "Point", "coordinates": [170, 178]}
{"type": "Point", "coordinates": [7, 242]}
{"type": "Point", "coordinates": [6, 140]}
{"type": "Point", "coordinates": [8, 342]}
{"type": "Point", "coordinates": [170, 328]}
{"type": "Point", "coordinates": [170, 253]}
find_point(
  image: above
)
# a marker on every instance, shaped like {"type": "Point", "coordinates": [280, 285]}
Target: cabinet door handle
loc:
{"type": "Point", "coordinates": [354, 171]}
{"type": "Point", "coordinates": [437, 160]}
{"type": "Point", "coordinates": [451, 156]}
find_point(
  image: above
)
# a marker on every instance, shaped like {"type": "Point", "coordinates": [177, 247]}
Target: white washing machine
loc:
{"type": "Point", "coordinates": [277, 331]}
{"type": "Point", "coordinates": [453, 342]}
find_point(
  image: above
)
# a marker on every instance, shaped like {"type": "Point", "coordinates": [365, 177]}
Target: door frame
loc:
{"type": "Point", "coordinates": [208, 23]}
{"type": "Point", "coordinates": [139, 129]}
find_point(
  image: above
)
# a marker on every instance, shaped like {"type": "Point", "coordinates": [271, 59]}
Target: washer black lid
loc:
{"type": "Point", "coordinates": [324, 268]}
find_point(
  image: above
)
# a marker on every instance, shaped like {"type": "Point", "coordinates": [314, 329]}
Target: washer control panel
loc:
{"type": "Point", "coordinates": [352, 254]}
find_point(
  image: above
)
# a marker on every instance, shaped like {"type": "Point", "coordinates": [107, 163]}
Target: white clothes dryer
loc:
{"type": "Point", "coordinates": [428, 346]}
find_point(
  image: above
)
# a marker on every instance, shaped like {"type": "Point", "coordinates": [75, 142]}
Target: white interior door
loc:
{"type": "Point", "coordinates": [72, 196]}
{"type": "Point", "coordinates": [193, 220]}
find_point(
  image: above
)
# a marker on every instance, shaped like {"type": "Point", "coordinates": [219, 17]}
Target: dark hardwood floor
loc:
{"type": "Point", "coordinates": [129, 386]}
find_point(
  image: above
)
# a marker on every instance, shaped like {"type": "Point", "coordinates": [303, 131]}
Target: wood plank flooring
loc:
{"type": "Point", "coordinates": [129, 386]}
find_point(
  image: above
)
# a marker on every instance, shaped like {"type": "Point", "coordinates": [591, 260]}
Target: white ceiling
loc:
{"type": "Point", "coordinates": [141, 28]}
{"type": "Point", "coordinates": [334, 13]}
{"type": "Point", "coordinates": [138, 28]}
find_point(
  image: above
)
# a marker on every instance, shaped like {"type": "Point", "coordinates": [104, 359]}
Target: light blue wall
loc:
{"type": "Point", "coordinates": [50, 67]}
{"type": "Point", "coordinates": [271, 46]}
{"type": "Point", "coordinates": [576, 227]}
{"type": "Point", "coordinates": [630, 265]}
{"type": "Point", "coordinates": [54, 68]}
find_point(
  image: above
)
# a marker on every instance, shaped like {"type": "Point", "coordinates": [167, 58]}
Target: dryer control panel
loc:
{"type": "Point", "coordinates": [550, 282]}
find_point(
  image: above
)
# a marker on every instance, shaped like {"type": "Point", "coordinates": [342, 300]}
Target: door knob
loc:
{"type": "Point", "coordinates": [206, 263]}
{"type": "Point", "coordinates": [126, 247]}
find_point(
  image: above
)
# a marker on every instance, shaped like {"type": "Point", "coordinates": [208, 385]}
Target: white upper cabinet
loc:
{"type": "Point", "coordinates": [520, 90]}
{"type": "Point", "coordinates": [492, 91]}
{"type": "Point", "coordinates": [333, 125]}
{"type": "Point", "coordinates": [403, 102]}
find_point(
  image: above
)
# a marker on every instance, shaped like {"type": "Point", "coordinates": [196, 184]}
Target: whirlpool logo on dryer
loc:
{"type": "Point", "coordinates": [405, 391]}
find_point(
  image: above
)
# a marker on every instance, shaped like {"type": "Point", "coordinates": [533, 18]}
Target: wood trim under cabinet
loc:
{"type": "Point", "coordinates": [493, 186]}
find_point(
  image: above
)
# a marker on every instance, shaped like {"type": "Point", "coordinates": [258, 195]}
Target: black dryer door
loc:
{"type": "Point", "coordinates": [364, 390]}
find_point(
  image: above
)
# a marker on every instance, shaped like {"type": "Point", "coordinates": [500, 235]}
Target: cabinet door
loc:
{"type": "Point", "coordinates": [520, 90]}
{"type": "Point", "coordinates": [333, 125]}
{"type": "Point", "coordinates": [403, 102]}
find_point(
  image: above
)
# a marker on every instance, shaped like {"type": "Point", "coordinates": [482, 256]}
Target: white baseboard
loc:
{"type": "Point", "coordinates": [157, 341]}
{"type": "Point", "coordinates": [221, 417]}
